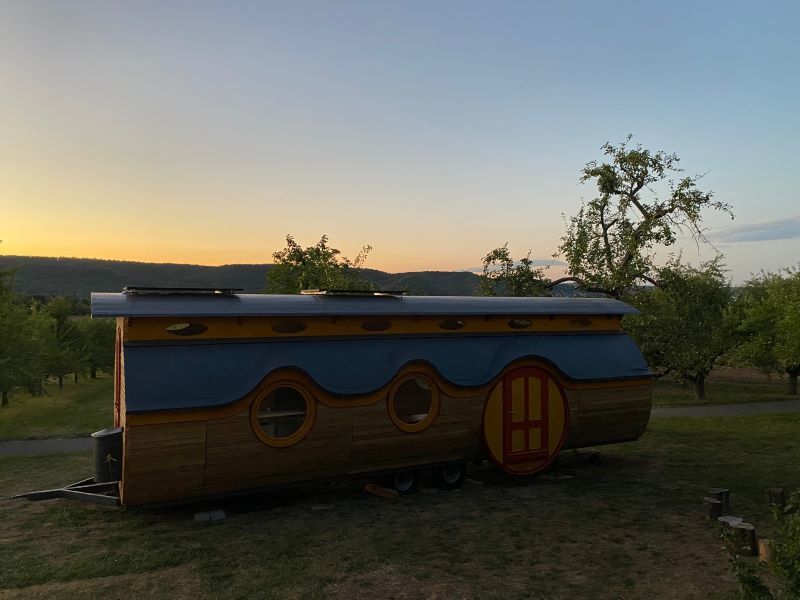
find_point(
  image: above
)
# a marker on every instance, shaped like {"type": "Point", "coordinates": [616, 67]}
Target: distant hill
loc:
{"type": "Point", "coordinates": [78, 277]}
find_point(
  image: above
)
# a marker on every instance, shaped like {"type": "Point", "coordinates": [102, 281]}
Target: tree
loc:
{"type": "Point", "coordinates": [503, 276]}
{"type": "Point", "coordinates": [315, 267]}
{"type": "Point", "coordinates": [771, 321]}
{"type": "Point", "coordinates": [14, 344]}
{"type": "Point", "coordinates": [64, 349]}
{"type": "Point", "coordinates": [97, 339]}
{"type": "Point", "coordinates": [687, 322]}
{"type": "Point", "coordinates": [609, 244]}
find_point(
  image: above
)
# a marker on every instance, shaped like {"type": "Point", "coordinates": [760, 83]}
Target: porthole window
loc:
{"type": "Point", "coordinates": [519, 323]}
{"type": "Point", "coordinates": [451, 324]}
{"type": "Point", "coordinates": [413, 403]}
{"type": "Point", "coordinates": [283, 415]}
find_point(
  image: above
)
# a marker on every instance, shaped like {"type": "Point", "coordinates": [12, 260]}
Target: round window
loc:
{"type": "Point", "coordinates": [413, 403]}
{"type": "Point", "coordinates": [283, 416]}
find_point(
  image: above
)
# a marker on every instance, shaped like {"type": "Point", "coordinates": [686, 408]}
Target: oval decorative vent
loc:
{"type": "Point", "coordinates": [187, 328]}
{"type": "Point", "coordinates": [519, 323]}
{"type": "Point", "coordinates": [376, 325]}
{"type": "Point", "coordinates": [288, 327]}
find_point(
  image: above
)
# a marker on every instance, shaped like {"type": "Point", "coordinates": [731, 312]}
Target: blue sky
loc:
{"type": "Point", "coordinates": [435, 131]}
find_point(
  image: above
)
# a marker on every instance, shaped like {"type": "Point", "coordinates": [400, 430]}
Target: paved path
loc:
{"type": "Point", "coordinates": [60, 446]}
{"type": "Point", "coordinates": [727, 410]}
{"type": "Point", "coordinates": [48, 446]}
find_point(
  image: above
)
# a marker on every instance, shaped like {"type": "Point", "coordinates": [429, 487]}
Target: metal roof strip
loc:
{"type": "Point", "coordinates": [271, 305]}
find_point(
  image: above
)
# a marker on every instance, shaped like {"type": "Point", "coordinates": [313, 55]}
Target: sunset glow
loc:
{"type": "Point", "coordinates": [203, 133]}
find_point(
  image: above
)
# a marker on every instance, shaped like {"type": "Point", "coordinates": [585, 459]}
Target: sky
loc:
{"type": "Point", "coordinates": [204, 132]}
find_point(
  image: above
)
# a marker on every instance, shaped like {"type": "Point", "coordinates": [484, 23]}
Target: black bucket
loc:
{"type": "Point", "coordinates": [107, 454]}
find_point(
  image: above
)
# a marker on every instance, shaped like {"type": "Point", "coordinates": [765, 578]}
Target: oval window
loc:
{"type": "Point", "coordinates": [451, 324]}
{"type": "Point", "coordinates": [283, 416]}
{"type": "Point", "coordinates": [288, 327]}
{"type": "Point", "coordinates": [519, 323]}
{"type": "Point", "coordinates": [413, 403]}
{"type": "Point", "coordinates": [186, 328]}
{"type": "Point", "coordinates": [375, 325]}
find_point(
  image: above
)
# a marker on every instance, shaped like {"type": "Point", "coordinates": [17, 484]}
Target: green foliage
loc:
{"type": "Point", "coordinates": [97, 338]}
{"type": "Point", "coordinates": [315, 267]}
{"type": "Point", "coordinates": [503, 276]}
{"type": "Point", "coordinates": [751, 585]}
{"type": "Point", "coordinates": [609, 244]}
{"type": "Point", "coordinates": [786, 546]}
{"type": "Point", "coordinates": [687, 322]}
{"type": "Point", "coordinates": [15, 344]}
{"type": "Point", "coordinates": [785, 562]}
{"type": "Point", "coordinates": [771, 323]}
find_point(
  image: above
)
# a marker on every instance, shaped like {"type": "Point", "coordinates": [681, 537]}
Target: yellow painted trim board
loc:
{"type": "Point", "coordinates": [171, 328]}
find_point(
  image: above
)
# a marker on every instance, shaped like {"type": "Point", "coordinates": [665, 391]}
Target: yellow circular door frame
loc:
{"type": "Point", "coordinates": [525, 420]}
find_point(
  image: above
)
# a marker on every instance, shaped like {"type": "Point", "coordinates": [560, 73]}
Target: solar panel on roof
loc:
{"type": "Point", "coordinates": [165, 291]}
{"type": "Point", "coordinates": [354, 293]}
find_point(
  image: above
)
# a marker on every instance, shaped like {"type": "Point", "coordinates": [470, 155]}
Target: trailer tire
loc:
{"type": "Point", "coordinates": [450, 477]}
{"type": "Point", "coordinates": [405, 482]}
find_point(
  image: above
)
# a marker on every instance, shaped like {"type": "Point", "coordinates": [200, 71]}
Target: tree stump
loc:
{"type": "Point", "coordinates": [744, 536]}
{"type": "Point", "coordinates": [724, 496]}
{"type": "Point", "coordinates": [765, 551]}
{"type": "Point", "coordinates": [729, 520]}
{"type": "Point", "coordinates": [713, 507]}
{"type": "Point", "coordinates": [777, 498]}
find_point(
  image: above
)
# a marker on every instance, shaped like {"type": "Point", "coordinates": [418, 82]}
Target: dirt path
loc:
{"type": "Point", "coordinates": [727, 410]}
{"type": "Point", "coordinates": [48, 446]}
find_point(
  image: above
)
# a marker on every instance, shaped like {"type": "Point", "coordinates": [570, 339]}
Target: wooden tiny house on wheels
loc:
{"type": "Point", "coordinates": [219, 393]}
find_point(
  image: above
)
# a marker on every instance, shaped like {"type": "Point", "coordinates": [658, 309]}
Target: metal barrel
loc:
{"type": "Point", "coordinates": [107, 445]}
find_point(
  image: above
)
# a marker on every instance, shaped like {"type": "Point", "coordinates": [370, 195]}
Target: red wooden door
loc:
{"type": "Point", "coordinates": [525, 415]}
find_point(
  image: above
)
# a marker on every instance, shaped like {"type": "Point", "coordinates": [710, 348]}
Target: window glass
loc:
{"type": "Point", "coordinates": [412, 400]}
{"type": "Point", "coordinates": [282, 412]}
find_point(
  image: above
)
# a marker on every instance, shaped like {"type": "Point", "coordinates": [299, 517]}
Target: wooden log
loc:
{"type": "Point", "coordinates": [744, 536]}
{"type": "Point", "coordinates": [379, 490]}
{"type": "Point", "coordinates": [777, 498]}
{"type": "Point", "coordinates": [765, 551]}
{"type": "Point", "coordinates": [713, 507]}
{"type": "Point", "coordinates": [724, 496]}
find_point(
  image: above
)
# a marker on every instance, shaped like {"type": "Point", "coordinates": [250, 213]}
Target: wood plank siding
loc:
{"type": "Point", "coordinates": [195, 458]}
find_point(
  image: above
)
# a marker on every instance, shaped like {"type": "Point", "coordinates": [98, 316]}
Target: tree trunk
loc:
{"type": "Point", "coordinates": [793, 373]}
{"type": "Point", "coordinates": [60, 382]}
{"type": "Point", "coordinates": [699, 382]}
{"type": "Point", "coordinates": [93, 372]}
{"type": "Point", "coordinates": [4, 401]}
{"type": "Point", "coordinates": [76, 377]}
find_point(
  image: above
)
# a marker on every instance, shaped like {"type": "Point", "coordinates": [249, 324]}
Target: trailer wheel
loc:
{"type": "Point", "coordinates": [450, 477]}
{"type": "Point", "coordinates": [404, 482]}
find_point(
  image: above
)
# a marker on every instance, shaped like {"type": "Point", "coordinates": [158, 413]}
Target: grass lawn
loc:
{"type": "Point", "coordinates": [668, 393]}
{"type": "Point", "coordinates": [630, 527]}
{"type": "Point", "coordinates": [77, 410]}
